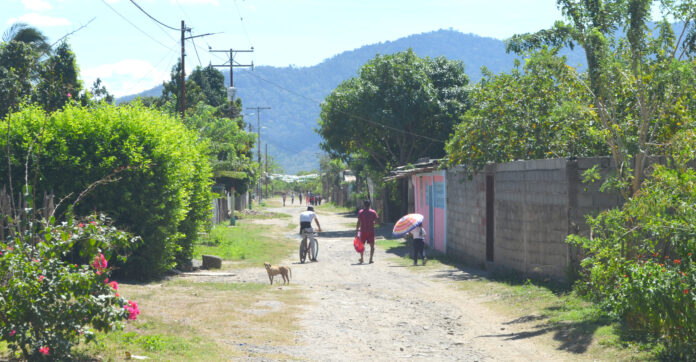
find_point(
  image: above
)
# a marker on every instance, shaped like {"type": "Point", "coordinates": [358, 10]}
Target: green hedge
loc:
{"type": "Point", "coordinates": [163, 194]}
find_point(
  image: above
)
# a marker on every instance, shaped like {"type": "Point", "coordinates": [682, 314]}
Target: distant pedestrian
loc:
{"type": "Point", "coordinates": [418, 235]}
{"type": "Point", "coordinates": [292, 198]}
{"type": "Point", "coordinates": [284, 197]}
{"type": "Point", "coordinates": [312, 200]}
{"type": "Point", "coordinates": [300, 197]}
{"type": "Point", "coordinates": [307, 198]}
{"type": "Point", "coordinates": [365, 228]}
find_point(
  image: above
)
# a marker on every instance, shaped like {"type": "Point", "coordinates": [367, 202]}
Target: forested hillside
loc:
{"type": "Point", "coordinates": [294, 93]}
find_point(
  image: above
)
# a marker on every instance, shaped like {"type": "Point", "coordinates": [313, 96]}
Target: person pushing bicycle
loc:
{"type": "Point", "coordinates": [306, 218]}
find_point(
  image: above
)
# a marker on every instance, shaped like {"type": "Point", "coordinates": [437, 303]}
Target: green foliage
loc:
{"type": "Point", "coordinates": [395, 111]}
{"type": "Point", "coordinates": [17, 71]}
{"type": "Point", "coordinates": [163, 193]}
{"type": "Point", "coordinates": [50, 304]}
{"type": "Point", "coordinates": [59, 79]}
{"type": "Point", "coordinates": [641, 84]}
{"type": "Point", "coordinates": [230, 147]}
{"type": "Point", "coordinates": [540, 111]}
{"type": "Point", "coordinates": [641, 263]}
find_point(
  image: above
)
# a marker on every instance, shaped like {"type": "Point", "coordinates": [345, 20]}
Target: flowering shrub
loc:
{"type": "Point", "coordinates": [641, 263]}
{"type": "Point", "coordinates": [48, 303]}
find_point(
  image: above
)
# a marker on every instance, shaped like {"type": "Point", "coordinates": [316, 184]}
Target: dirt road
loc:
{"type": "Point", "coordinates": [387, 311]}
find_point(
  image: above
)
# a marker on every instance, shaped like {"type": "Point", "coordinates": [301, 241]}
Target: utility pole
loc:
{"type": "Point", "coordinates": [266, 169]}
{"type": "Point", "coordinates": [258, 142]}
{"type": "Point", "coordinates": [183, 71]}
{"type": "Point", "coordinates": [184, 29]}
{"type": "Point", "coordinates": [232, 64]}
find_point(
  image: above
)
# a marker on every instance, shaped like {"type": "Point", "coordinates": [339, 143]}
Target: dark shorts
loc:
{"type": "Point", "coordinates": [367, 237]}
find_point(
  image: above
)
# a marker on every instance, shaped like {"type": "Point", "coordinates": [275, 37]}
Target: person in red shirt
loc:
{"type": "Point", "coordinates": [365, 228]}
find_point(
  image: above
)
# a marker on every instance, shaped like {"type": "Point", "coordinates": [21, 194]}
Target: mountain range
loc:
{"type": "Point", "coordinates": [294, 93]}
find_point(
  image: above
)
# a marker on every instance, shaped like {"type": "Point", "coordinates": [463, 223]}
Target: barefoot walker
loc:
{"type": "Point", "coordinates": [365, 228]}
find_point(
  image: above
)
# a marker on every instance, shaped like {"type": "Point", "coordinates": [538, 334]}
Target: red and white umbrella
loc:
{"type": "Point", "coordinates": [406, 224]}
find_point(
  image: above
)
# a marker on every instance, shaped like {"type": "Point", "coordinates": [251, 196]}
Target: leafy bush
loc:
{"type": "Point", "coordinates": [163, 193]}
{"type": "Point", "coordinates": [48, 304]}
{"type": "Point", "coordinates": [641, 260]}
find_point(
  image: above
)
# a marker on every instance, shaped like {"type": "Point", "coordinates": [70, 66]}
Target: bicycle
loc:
{"type": "Point", "coordinates": [313, 246]}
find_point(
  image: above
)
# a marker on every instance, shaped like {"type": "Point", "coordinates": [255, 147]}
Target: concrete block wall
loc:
{"type": "Point", "coordinates": [537, 204]}
{"type": "Point", "coordinates": [531, 218]}
{"type": "Point", "coordinates": [466, 214]}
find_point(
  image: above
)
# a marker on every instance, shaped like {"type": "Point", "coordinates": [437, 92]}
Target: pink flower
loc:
{"type": "Point", "coordinates": [35, 260]}
{"type": "Point", "coordinates": [99, 262]}
{"type": "Point", "coordinates": [80, 225]}
{"type": "Point", "coordinates": [41, 278]}
{"type": "Point", "coordinates": [69, 95]}
{"type": "Point", "coordinates": [106, 280]}
{"type": "Point", "coordinates": [132, 308]}
{"type": "Point", "coordinates": [44, 350]}
{"type": "Point", "coordinates": [114, 285]}
{"type": "Point", "coordinates": [13, 332]}
{"type": "Point", "coordinates": [93, 223]}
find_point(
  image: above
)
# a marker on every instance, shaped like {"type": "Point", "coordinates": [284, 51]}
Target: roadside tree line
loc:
{"type": "Point", "coordinates": [635, 100]}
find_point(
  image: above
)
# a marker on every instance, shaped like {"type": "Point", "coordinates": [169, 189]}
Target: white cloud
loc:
{"type": "Point", "coordinates": [36, 5]}
{"type": "Point", "coordinates": [126, 77]}
{"type": "Point", "coordinates": [39, 20]}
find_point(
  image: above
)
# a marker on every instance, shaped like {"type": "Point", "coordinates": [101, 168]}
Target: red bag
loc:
{"type": "Point", "coordinates": [359, 246]}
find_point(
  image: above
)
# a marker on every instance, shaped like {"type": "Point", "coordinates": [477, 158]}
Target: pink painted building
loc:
{"type": "Point", "coordinates": [430, 200]}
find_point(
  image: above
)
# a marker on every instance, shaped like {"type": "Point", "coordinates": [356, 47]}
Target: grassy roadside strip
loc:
{"type": "Point", "coordinates": [184, 320]}
{"type": "Point", "coordinates": [245, 245]}
{"type": "Point", "coordinates": [552, 314]}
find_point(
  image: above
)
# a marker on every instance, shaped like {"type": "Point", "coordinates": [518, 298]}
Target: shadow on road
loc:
{"type": "Point", "coordinates": [575, 337]}
{"type": "Point", "coordinates": [337, 234]}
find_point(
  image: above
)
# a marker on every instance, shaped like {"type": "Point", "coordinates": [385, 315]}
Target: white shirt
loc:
{"type": "Point", "coordinates": [307, 216]}
{"type": "Point", "coordinates": [418, 233]}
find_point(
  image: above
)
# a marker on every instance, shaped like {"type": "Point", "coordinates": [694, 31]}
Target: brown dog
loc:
{"type": "Point", "coordinates": [284, 271]}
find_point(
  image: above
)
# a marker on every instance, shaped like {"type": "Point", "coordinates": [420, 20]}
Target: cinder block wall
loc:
{"type": "Point", "coordinates": [537, 204]}
{"type": "Point", "coordinates": [466, 217]}
{"type": "Point", "coordinates": [531, 217]}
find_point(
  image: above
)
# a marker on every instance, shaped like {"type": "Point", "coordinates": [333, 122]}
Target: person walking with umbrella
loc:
{"type": "Point", "coordinates": [413, 224]}
{"type": "Point", "coordinates": [365, 228]}
{"type": "Point", "coordinates": [418, 235]}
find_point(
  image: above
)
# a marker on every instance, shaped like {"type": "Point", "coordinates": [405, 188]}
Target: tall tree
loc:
{"type": "Point", "coordinates": [641, 85]}
{"type": "Point", "coordinates": [59, 79]}
{"type": "Point", "coordinates": [401, 107]}
{"type": "Point", "coordinates": [23, 33]}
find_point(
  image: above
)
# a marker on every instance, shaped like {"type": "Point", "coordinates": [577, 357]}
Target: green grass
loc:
{"type": "Point", "coordinates": [247, 244]}
{"type": "Point", "coordinates": [260, 215]}
{"type": "Point", "coordinates": [331, 208]}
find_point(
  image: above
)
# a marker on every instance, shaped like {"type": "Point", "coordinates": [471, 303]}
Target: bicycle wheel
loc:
{"type": "Point", "coordinates": [303, 251]}
{"type": "Point", "coordinates": [314, 249]}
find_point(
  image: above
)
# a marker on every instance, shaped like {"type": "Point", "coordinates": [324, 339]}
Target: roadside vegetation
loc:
{"type": "Point", "coordinates": [554, 313]}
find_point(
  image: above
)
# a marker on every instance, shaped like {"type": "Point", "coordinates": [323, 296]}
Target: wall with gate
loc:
{"type": "Point", "coordinates": [430, 200]}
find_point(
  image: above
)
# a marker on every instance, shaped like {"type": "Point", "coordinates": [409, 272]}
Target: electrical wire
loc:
{"type": "Point", "coordinates": [151, 17]}
{"type": "Point", "coordinates": [241, 21]}
{"type": "Point", "coordinates": [135, 26]}
{"type": "Point", "coordinates": [195, 48]}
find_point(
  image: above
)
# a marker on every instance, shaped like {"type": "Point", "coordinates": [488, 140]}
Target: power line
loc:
{"type": "Point", "coordinates": [195, 48]}
{"type": "Point", "coordinates": [135, 26]}
{"type": "Point", "coordinates": [151, 17]}
{"type": "Point", "coordinates": [241, 21]}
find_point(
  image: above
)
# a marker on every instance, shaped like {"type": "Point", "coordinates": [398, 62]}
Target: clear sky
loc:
{"type": "Point", "coordinates": [131, 53]}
